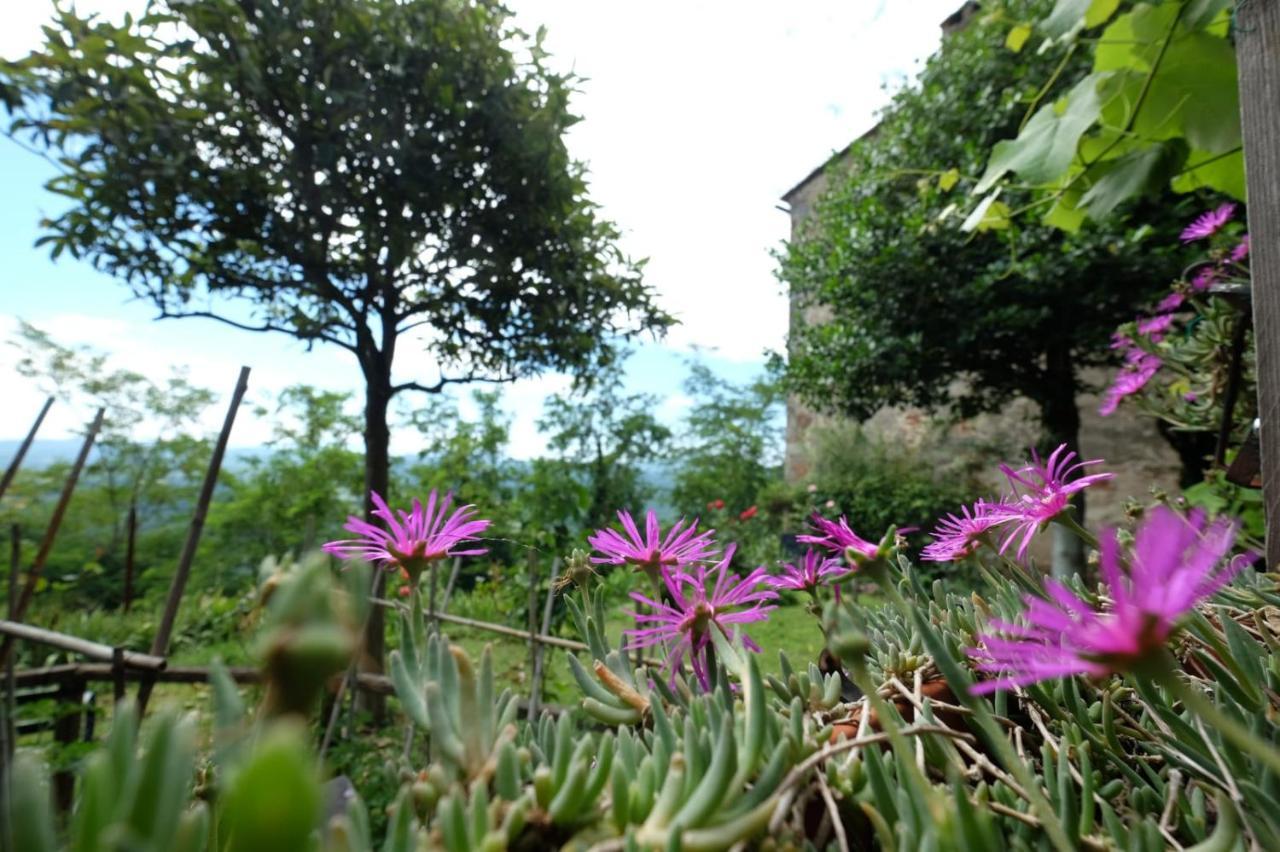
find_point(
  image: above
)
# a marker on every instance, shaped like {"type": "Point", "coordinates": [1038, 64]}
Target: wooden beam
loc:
{"type": "Point", "coordinates": [1257, 34]}
{"type": "Point", "coordinates": [160, 645]}
{"type": "Point", "coordinates": [76, 645]}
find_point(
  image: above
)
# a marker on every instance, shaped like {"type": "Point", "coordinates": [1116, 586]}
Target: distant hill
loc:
{"type": "Point", "coordinates": [46, 452]}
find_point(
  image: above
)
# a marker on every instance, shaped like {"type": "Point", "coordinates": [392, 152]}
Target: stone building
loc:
{"type": "Point", "coordinates": [1130, 443]}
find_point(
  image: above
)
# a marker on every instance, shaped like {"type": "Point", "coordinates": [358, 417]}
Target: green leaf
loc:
{"type": "Point", "coordinates": [1047, 144]}
{"type": "Point", "coordinates": [1224, 173]}
{"type": "Point", "coordinates": [948, 179]}
{"type": "Point", "coordinates": [990, 214]}
{"type": "Point", "coordinates": [1100, 11]}
{"type": "Point", "coordinates": [257, 818]}
{"type": "Point", "coordinates": [1128, 177]}
{"type": "Point", "coordinates": [31, 817]}
{"type": "Point", "coordinates": [1066, 214]}
{"type": "Point", "coordinates": [1017, 37]}
{"type": "Point", "coordinates": [1066, 16]}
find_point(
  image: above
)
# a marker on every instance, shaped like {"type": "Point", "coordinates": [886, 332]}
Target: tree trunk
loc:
{"type": "Point", "coordinates": [377, 478]}
{"type": "Point", "coordinates": [1061, 419]}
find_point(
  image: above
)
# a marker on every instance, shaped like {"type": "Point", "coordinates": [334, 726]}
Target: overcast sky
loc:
{"type": "Point", "coordinates": [698, 116]}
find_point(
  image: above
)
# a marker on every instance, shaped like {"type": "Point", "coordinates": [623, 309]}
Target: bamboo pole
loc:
{"type": "Point", "coordinates": [539, 655]}
{"type": "Point", "coordinates": [51, 532]}
{"type": "Point", "coordinates": [501, 629]}
{"type": "Point", "coordinates": [76, 645]}
{"type": "Point", "coordinates": [132, 532]}
{"type": "Point", "coordinates": [160, 646]}
{"type": "Point", "coordinates": [12, 470]}
{"type": "Point", "coordinates": [533, 610]}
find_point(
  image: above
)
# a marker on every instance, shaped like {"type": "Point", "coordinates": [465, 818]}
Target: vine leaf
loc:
{"type": "Point", "coordinates": [1047, 144]}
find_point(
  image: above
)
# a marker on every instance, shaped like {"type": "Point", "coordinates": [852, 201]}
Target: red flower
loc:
{"type": "Point", "coordinates": [716, 504]}
{"type": "Point", "coordinates": [748, 514]}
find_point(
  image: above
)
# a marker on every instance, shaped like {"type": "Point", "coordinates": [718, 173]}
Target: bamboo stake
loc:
{"type": "Point", "coordinates": [160, 646]}
{"type": "Point", "coordinates": [76, 645]}
{"type": "Point", "coordinates": [128, 556]}
{"type": "Point", "coordinates": [51, 532]}
{"type": "Point", "coordinates": [12, 470]}
{"type": "Point", "coordinates": [535, 689]}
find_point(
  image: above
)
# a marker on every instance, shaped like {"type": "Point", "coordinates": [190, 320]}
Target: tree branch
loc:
{"type": "Point", "coordinates": [326, 338]}
{"type": "Point", "coordinates": [445, 380]}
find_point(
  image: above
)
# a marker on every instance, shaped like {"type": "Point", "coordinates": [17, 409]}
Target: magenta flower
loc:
{"type": "Point", "coordinates": [1130, 380]}
{"type": "Point", "coordinates": [700, 601]}
{"type": "Point", "coordinates": [1176, 563]}
{"type": "Point", "coordinates": [1241, 251]}
{"type": "Point", "coordinates": [1155, 327]}
{"type": "Point", "coordinates": [1208, 224]}
{"type": "Point", "coordinates": [813, 571]}
{"type": "Point", "coordinates": [652, 552]}
{"type": "Point", "coordinates": [1171, 302]}
{"type": "Point", "coordinates": [957, 537]}
{"type": "Point", "coordinates": [414, 538]}
{"type": "Point", "coordinates": [837, 537]}
{"type": "Point", "coordinates": [1204, 279]}
{"type": "Point", "coordinates": [1041, 492]}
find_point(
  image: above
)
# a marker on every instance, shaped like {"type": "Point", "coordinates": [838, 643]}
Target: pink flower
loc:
{"type": "Point", "coordinates": [1204, 279]}
{"type": "Point", "coordinates": [1208, 224]}
{"type": "Point", "coordinates": [957, 537]}
{"type": "Point", "coordinates": [1241, 251]}
{"type": "Point", "coordinates": [814, 571]}
{"type": "Point", "coordinates": [1130, 380]}
{"type": "Point", "coordinates": [1155, 327]}
{"type": "Point", "coordinates": [837, 537]}
{"type": "Point", "coordinates": [682, 544]}
{"type": "Point", "coordinates": [700, 601]}
{"type": "Point", "coordinates": [1171, 302]}
{"type": "Point", "coordinates": [1041, 492]}
{"type": "Point", "coordinates": [1176, 563]}
{"type": "Point", "coordinates": [412, 539]}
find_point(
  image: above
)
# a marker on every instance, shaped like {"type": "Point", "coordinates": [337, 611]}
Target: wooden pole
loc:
{"type": "Point", "coordinates": [1258, 57]}
{"type": "Point", "coordinates": [51, 532]}
{"type": "Point", "coordinates": [76, 645]}
{"type": "Point", "coordinates": [160, 646]}
{"type": "Point", "coordinates": [453, 578]}
{"type": "Point", "coordinates": [132, 534]}
{"type": "Point", "coordinates": [539, 655]}
{"type": "Point", "coordinates": [12, 470]}
{"type": "Point", "coordinates": [66, 730]}
{"type": "Point", "coordinates": [533, 610]}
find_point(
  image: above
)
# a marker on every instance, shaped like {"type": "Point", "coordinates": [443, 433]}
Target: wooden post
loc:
{"type": "Point", "coordinates": [51, 532]}
{"type": "Point", "coordinates": [12, 470]}
{"type": "Point", "coordinates": [160, 646]}
{"type": "Point", "coordinates": [539, 655]}
{"type": "Point", "coordinates": [533, 609]}
{"type": "Point", "coordinates": [1258, 57]}
{"type": "Point", "coordinates": [132, 533]}
{"type": "Point", "coordinates": [66, 730]}
{"type": "Point", "coordinates": [448, 589]}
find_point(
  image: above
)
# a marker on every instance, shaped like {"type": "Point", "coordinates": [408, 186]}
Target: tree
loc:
{"type": "Point", "coordinates": [922, 313]}
{"type": "Point", "coordinates": [606, 435]}
{"type": "Point", "coordinates": [729, 445]}
{"type": "Point", "coordinates": [341, 171]}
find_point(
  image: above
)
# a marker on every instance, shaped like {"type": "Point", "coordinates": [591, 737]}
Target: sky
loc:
{"type": "Point", "coordinates": [697, 117]}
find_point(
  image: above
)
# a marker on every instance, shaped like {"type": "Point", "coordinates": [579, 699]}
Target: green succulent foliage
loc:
{"type": "Point", "coordinates": [816, 690]}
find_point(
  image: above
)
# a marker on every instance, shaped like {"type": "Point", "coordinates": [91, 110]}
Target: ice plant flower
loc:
{"type": "Point", "coordinates": [956, 537]}
{"type": "Point", "coordinates": [411, 539]}
{"type": "Point", "coordinates": [652, 552]}
{"type": "Point", "coordinates": [1155, 327]}
{"type": "Point", "coordinates": [1171, 302]}
{"type": "Point", "coordinates": [1204, 279]}
{"type": "Point", "coordinates": [1176, 562]}
{"type": "Point", "coordinates": [1209, 223]}
{"type": "Point", "coordinates": [698, 601]}
{"type": "Point", "coordinates": [1241, 251]}
{"type": "Point", "coordinates": [837, 537]}
{"type": "Point", "coordinates": [1042, 492]}
{"type": "Point", "coordinates": [814, 570]}
{"type": "Point", "coordinates": [1130, 380]}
